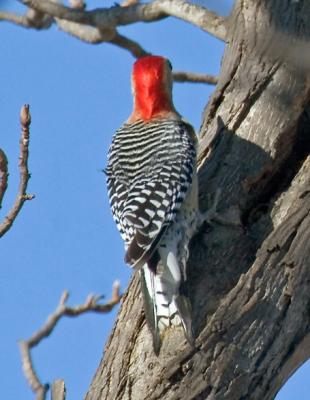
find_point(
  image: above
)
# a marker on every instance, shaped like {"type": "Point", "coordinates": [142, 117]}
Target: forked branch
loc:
{"type": "Point", "coordinates": [91, 305]}
{"type": "Point", "coordinates": [107, 18]}
{"type": "Point", "coordinates": [100, 25]}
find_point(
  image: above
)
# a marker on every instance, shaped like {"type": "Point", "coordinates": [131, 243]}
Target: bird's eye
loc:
{"type": "Point", "coordinates": [170, 65]}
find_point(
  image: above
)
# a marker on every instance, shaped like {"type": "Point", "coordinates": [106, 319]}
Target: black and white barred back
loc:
{"type": "Point", "coordinates": [151, 167]}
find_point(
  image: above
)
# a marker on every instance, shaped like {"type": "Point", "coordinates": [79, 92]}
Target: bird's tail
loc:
{"type": "Point", "coordinates": [164, 305]}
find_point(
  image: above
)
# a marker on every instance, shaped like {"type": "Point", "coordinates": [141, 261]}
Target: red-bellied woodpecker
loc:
{"type": "Point", "coordinates": [152, 185]}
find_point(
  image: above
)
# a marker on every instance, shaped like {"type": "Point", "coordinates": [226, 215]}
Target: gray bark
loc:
{"type": "Point", "coordinates": [249, 285]}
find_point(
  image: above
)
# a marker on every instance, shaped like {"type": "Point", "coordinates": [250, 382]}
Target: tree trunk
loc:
{"type": "Point", "coordinates": [249, 285]}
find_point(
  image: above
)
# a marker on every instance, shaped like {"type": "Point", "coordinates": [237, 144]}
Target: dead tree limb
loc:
{"type": "Point", "coordinates": [91, 305]}
{"type": "Point", "coordinates": [107, 18]}
{"type": "Point", "coordinates": [100, 25]}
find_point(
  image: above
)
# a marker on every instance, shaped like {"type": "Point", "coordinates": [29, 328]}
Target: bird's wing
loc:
{"type": "Point", "coordinates": [117, 191]}
{"type": "Point", "coordinates": [144, 206]}
{"type": "Point", "coordinates": [152, 204]}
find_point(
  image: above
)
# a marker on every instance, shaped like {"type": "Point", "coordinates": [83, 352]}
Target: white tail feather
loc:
{"type": "Point", "coordinates": [162, 289]}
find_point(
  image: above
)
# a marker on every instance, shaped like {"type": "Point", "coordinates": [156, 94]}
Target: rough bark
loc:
{"type": "Point", "coordinates": [249, 285]}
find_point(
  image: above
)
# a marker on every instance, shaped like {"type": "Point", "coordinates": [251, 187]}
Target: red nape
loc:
{"type": "Point", "coordinates": [152, 95]}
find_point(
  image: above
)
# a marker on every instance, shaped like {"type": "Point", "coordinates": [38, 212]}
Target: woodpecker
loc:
{"type": "Point", "coordinates": [152, 187]}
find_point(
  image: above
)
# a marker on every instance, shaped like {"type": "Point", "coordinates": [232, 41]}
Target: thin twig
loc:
{"type": "Point", "coordinates": [91, 305]}
{"type": "Point", "coordinates": [95, 36]}
{"type": "Point", "coordinates": [99, 25]}
{"type": "Point", "coordinates": [22, 196]}
{"type": "Point", "coordinates": [133, 47]}
{"type": "Point", "coordinates": [85, 33]}
{"type": "Point", "coordinates": [107, 18]}
{"type": "Point", "coordinates": [180, 76]}
{"type": "Point", "coordinates": [3, 175]}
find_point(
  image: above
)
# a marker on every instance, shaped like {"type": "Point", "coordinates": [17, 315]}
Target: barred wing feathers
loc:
{"type": "Point", "coordinates": [149, 173]}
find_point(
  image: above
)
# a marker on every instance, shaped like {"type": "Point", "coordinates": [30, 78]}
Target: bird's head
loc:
{"type": "Point", "coordinates": [152, 88]}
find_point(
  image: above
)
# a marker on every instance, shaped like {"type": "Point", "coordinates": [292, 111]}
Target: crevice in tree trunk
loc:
{"type": "Point", "coordinates": [282, 179]}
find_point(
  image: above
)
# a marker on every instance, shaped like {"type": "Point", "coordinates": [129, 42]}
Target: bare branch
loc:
{"type": "Point", "coordinates": [58, 390]}
{"type": "Point", "coordinates": [38, 20]}
{"type": "Point", "coordinates": [31, 19]}
{"type": "Point", "coordinates": [3, 175]}
{"type": "Point", "coordinates": [31, 376]}
{"type": "Point", "coordinates": [16, 19]}
{"type": "Point", "coordinates": [99, 25]}
{"type": "Point", "coordinates": [85, 33]}
{"type": "Point", "coordinates": [107, 18]}
{"type": "Point", "coordinates": [22, 196]}
{"type": "Point", "coordinates": [195, 15]}
{"type": "Point", "coordinates": [91, 305]}
{"type": "Point", "coordinates": [180, 76]}
{"type": "Point", "coordinates": [95, 36]}
{"type": "Point", "coordinates": [133, 47]}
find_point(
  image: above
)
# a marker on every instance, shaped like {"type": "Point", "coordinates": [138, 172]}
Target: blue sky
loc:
{"type": "Point", "coordinates": [65, 238]}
